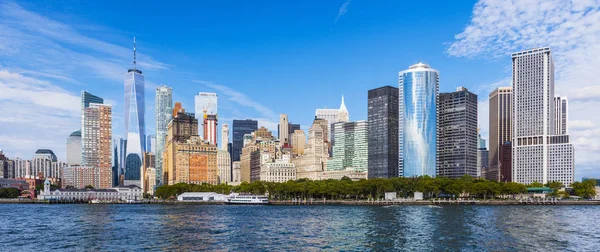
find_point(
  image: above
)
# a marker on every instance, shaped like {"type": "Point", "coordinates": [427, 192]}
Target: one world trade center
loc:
{"type": "Point", "coordinates": [134, 123]}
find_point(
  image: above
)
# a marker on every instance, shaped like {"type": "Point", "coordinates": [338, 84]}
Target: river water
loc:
{"type": "Point", "coordinates": [258, 228]}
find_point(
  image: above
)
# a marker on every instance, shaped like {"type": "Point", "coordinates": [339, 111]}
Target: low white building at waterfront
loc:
{"type": "Point", "coordinates": [115, 194]}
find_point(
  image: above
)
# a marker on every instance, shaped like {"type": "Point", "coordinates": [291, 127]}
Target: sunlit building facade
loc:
{"type": "Point", "coordinates": [418, 89]}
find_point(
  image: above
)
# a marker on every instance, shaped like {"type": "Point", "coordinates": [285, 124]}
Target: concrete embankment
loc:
{"type": "Point", "coordinates": [435, 202]}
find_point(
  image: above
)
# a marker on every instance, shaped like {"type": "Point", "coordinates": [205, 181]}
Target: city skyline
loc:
{"type": "Point", "coordinates": [66, 84]}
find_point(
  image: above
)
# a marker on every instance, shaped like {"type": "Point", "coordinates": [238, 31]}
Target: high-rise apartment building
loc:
{"type": "Point", "coordinates": [209, 125]}
{"type": "Point", "coordinates": [97, 142]}
{"type": "Point", "coordinates": [164, 114]}
{"type": "Point", "coordinates": [283, 129]}
{"type": "Point", "coordinates": [538, 154]}
{"type": "Point", "coordinates": [417, 94]}
{"type": "Point", "coordinates": [86, 100]}
{"type": "Point", "coordinates": [74, 148]}
{"type": "Point", "coordinates": [457, 134]}
{"type": "Point", "coordinates": [561, 118]}
{"type": "Point", "coordinates": [80, 177]}
{"type": "Point", "coordinates": [241, 128]}
{"type": "Point", "coordinates": [350, 147]}
{"type": "Point", "coordinates": [45, 164]}
{"type": "Point", "coordinates": [383, 132]}
{"type": "Point", "coordinates": [135, 126]}
{"type": "Point", "coordinates": [500, 123]}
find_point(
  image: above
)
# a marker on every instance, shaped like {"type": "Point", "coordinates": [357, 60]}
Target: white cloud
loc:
{"type": "Point", "coordinates": [342, 11]}
{"type": "Point", "coordinates": [570, 28]}
{"type": "Point", "coordinates": [240, 99]}
{"type": "Point", "coordinates": [36, 114]}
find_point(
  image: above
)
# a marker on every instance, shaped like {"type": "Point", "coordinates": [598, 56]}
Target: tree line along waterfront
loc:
{"type": "Point", "coordinates": [346, 189]}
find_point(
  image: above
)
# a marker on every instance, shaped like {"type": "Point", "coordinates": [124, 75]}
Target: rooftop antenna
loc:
{"type": "Point", "coordinates": [134, 68]}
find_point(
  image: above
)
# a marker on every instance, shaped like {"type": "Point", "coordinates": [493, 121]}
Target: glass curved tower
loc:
{"type": "Point", "coordinates": [134, 122]}
{"type": "Point", "coordinates": [418, 89]}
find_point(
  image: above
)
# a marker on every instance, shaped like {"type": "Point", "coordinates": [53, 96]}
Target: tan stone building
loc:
{"type": "Point", "coordinates": [298, 142]}
{"type": "Point", "coordinates": [187, 158]}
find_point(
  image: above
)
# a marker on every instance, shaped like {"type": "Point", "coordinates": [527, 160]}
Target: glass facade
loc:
{"type": "Point", "coordinates": [241, 128]}
{"type": "Point", "coordinates": [383, 132]}
{"type": "Point", "coordinates": [164, 114]}
{"type": "Point", "coordinates": [350, 148]}
{"type": "Point", "coordinates": [418, 89]}
{"type": "Point", "coordinates": [134, 123]}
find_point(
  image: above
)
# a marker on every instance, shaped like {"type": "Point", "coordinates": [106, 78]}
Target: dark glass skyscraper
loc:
{"type": "Point", "coordinates": [457, 134]}
{"type": "Point", "coordinates": [240, 128]}
{"type": "Point", "coordinates": [383, 132]}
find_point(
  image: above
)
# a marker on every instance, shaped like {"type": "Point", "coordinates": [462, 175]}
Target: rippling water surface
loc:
{"type": "Point", "coordinates": [222, 227]}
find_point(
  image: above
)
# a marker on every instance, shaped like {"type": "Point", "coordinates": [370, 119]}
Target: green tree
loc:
{"type": "Point", "coordinates": [89, 187]}
{"type": "Point", "coordinates": [555, 186]}
{"type": "Point", "coordinates": [536, 184]}
{"type": "Point", "coordinates": [585, 189]}
{"type": "Point", "coordinates": [9, 193]}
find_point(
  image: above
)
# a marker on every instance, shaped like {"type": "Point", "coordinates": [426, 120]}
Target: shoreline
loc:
{"type": "Point", "coordinates": [340, 202]}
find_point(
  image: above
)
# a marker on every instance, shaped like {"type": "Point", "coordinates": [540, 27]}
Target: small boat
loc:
{"type": "Point", "coordinates": [247, 199]}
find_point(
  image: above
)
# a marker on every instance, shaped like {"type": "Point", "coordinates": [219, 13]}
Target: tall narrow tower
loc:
{"type": "Point", "coordinates": [135, 134]}
{"type": "Point", "coordinates": [164, 110]}
{"type": "Point", "coordinates": [224, 136]}
{"type": "Point", "coordinates": [417, 94]}
{"type": "Point", "coordinates": [283, 129]}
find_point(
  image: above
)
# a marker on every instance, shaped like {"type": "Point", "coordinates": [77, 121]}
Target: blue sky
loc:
{"type": "Point", "coordinates": [270, 57]}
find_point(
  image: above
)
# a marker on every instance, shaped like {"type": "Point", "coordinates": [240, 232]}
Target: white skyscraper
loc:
{"type": "Point", "coordinates": [164, 113]}
{"type": "Point", "coordinates": [538, 153]}
{"type": "Point", "coordinates": [135, 133]}
{"type": "Point", "coordinates": [224, 136]}
{"type": "Point", "coordinates": [561, 116]}
{"type": "Point", "coordinates": [333, 116]}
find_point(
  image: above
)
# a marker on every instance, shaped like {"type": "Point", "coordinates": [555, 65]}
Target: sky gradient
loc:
{"type": "Point", "coordinates": [271, 57]}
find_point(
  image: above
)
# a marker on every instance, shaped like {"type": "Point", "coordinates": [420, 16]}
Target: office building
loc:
{"type": "Point", "coordinates": [97, 142]}
{"type": "Point", "coordinates": [241, 128]}
{"type": "Point", "coordinates": [236, 172]}
{"type": "Point", "coordinates": [417, 94]}
{"type": "Point", "coordinates": [283, 129]}
{"type": "Point", "coordinates": [224, 136]}
{"type": "Point", "coordinates": [151, 143]}
{"type": "Point", "coordinates": [505, 162]}
{"type": "Point", "coordinates": [500, 123]}
{"type": "Point", "coordinates": [135, 127]}
{"type": "Point", "coordinates": [115, 164]}
{"type": "Point", "coordinates": [350, 147]}
{"type": "Point", "coordinates": [538, 154]}
{"type": "Point", "coordinates": [298, 142]}
{"type": "Point", "coordinates": [333, 115]}
{"type": "Point", "coordinates": [148, 173]}
{"type": "Point", "coordinates": [224, 165]}
{"type": "Point", "coordinates": [74, 145]}
{"type": "Point", "coordinates": [383, 132]}
{"type": "Point", "coordinates": [164, 114]}
{"type": "Point", "coordinates": [291, 129]}
{"type": "Point", "coordinates": [482, 156]}
{"type": "Point", "coordinates": [561, 118]}
{"type": "Point", "coordinates": [278, 170]}
{"type": "Point", "coordinates": [457, 134]}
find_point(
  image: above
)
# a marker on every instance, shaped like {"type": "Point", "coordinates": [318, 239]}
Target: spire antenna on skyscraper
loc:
{"type": "Point", "coordinates": [134, 67]}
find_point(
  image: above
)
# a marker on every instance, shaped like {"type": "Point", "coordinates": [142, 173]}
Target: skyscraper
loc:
{"type": "Point", "coordinates": [500, 129]}
{"type": "Point", "coordinates": [383, 132]}
{"type": "Point", "coordinates": [115, 167]}
{"type": "Point", "coordinates": [86, 100]}
{"type": "Point", "coordinates": [350, 148]}
{"type": "Point", "coordinates": [164, 111]}
{"type": "Point", "coordinates": [333, 116]}
{"type": "Point", "coordinates": [151, 144]}
{"type": "Point", "coordinates": [561, 117]}
{"type": "Point", "coordinates": [482, 155]}
{"type": "Point", "coordinates": [97, 146]}
{"type": "Point", "coordinates": [538, 154]}
{"type": "Point", "coordinates": [224, 136]}
{"type": "Point", "coordinates": [74, 148]}
{"type": "Point", "coordinates": [135, 133]}
{"type": "Point", "coordinates": [283, 130]}
{"type": "Point", "coordinates": [240, 128]}
{"type": "Point", "coordinates": [298, 142]}
{"type": "Point", "coordinates": [418, 89]}
{"type": "Point", "coordinates": [205, 105]}
{"type": "Point", "coordinates": [457, 134]}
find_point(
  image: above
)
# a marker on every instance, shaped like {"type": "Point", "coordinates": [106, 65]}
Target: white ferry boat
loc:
{"type": "Point", "coordinates": [248, 199]}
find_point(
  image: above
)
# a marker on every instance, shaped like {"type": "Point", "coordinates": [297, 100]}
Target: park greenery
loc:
{"type": "Point", "coordinates": [346, 189]}
{"type": "Point", "coordinates": [9, 193]}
